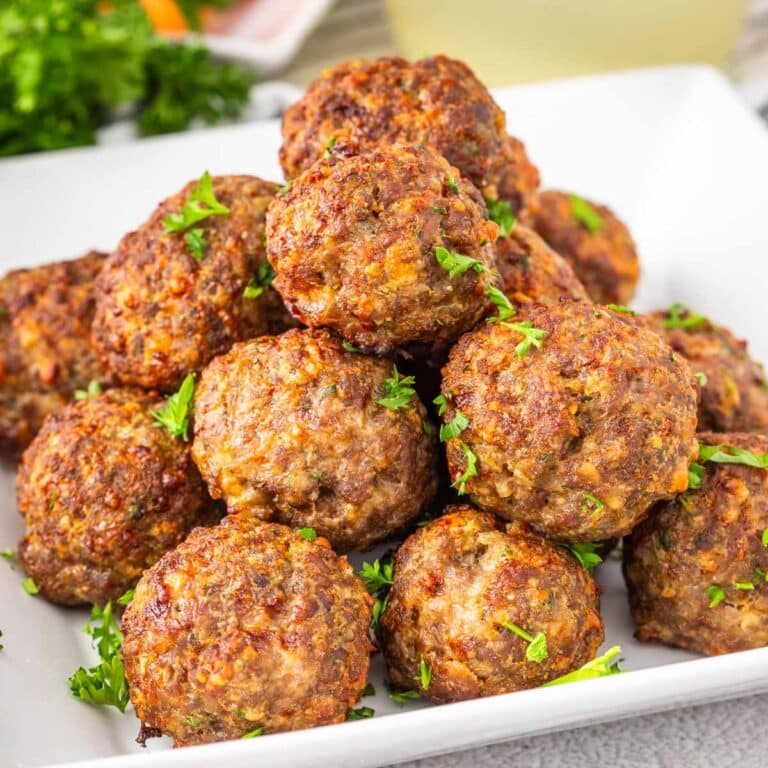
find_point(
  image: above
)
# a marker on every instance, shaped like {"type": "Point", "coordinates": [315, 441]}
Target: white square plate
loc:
{"type": "Point", "coordinates": [678, 156]}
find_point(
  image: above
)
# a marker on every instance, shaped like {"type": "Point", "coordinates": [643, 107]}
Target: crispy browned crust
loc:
{"type": "Point", "coordinates": [709, 537]}
{"type": "Point", "coordinates": [104, 493]}
{"type": "Point", "coordinates": [161, 314]}
{"type": "Point", "coordinates": [289, 426]}
{"type": "Point", "coordinates": [603, 408]}
{"type": "Point", "coordinates": [735, 395]}
{"type": "Point", "coordinates": [457, 580]}
{"type": "Point", "coordinates": [605, 262]}
{"type": "Point", "coordinates": [246, 625]}
{"type": "Point", "coordinates": [531, 271]}
{"type": "Point", "coordinates": [435, 101]}
{"type": "Point", "coordinates": [353, 245]}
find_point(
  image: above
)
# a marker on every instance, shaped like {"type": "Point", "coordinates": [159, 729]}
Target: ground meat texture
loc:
{"type": "Point", "coordinates": [734, 397]}
{"type": "Point", "coordinates": [289, 425]}
{"type": "Point", "coordinates": [457, 582]}
{"type": "Point", "coordinates": [578, 438]}
{"type": "Point", "coordinates": [104, 493]}
{"type": "Point", "coordinates": [161, 313]}
{"type": "Point", "coordinates": [435, 101]}
{"type": "Point", "coordinates": [704, 541]}
{"type": "Point", "coordinates": [531, 271]}
{"type": "Point", "coordinates": [246, 625]}
{"type": "Point", "coordinates": [354, 244]}
{"type": "Point", "coordinates": [605, 260]}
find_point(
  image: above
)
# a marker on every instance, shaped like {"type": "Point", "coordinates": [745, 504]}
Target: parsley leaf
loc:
{"type": "Point", "coordinates": [361, 713]}
{"type": "Point", "coordinates": [425, 675]}
{"type": "Point", "coordinates": [30, 587]}
{"type": "Point", "coordinates": [264, 277]}
{"type": "Point", "coordinates": [347, 347]}
{"type": "Point", "coordinates": [537, 646]}
{"type": "Point", "coordinates": [441, 401]}
{"type": "Point", "coordinates": [456, 263]}
{"type": "Point", "coordinates": [452, 185]}
{"type": "Point", "coordinates": [174, 415]}
{"type": "Point", "coordinates": [744, 585]}
{"type": "Point", "coordinates": [93, 391]}
{"type": "Point", "coordinates": [716, 595]}
{"type": "Point", "coordinates": [602, 666]}
{"type": "Point", "coordinates": [196, 243]}
{"type": "Point", "coordinates": [764, 539]}
{"type": "Point", "coordinates": [729, 454]}
{"type": "Point", "coordinates": [402, 697]}
{"type": "Point", "coordinates": [460, 483]}
{"type": "Point", "coordinates": [501, 212]}
{"type": "Point", "coordinates": [126, 597]}
{"type": "Point", "coordinates": [308, 534]}
{"type": "Point", "coordinates": [285, 189]}
{"type": "Point", "coordinates": [701, 378]}
{"type": "Point", "coordinates": [504, 305]}
{"type": "Point", "coordinates": [377, 575]}
{"type": "Point", "coordinates": [679, 317]}
{"type": "Point", "coordinates": [397, 391]}
{"type": "Point", "coordinates": [695, 476]}
{"type": "Point", "coordinates": [586, 555]}
{"type": "Point", "coordinates": [533, 337]}
{"type": "Point", "coordinates": [104, 684]}
{"type": "Point", "coordinates": [592, 505]}
{"type": "Point", "coordinates": [9, 555]}
{"type": "Point", "coordinates": [585, 214]}
{"type": "Point", "coordinates": [254, 733]}
{"type": "Point", "coordinates": [369, 690]}
{"type": "Point", "coordinates": [454, 428]}
{"type": "Point", "coordinates": [620, 308]}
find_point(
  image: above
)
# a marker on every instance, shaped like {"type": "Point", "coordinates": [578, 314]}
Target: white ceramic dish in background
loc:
{"type": "Point", "coordinates": [673, 150]}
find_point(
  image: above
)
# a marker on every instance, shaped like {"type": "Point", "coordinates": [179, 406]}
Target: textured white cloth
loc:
{"type": "Point", "coordinates": [731, 733]}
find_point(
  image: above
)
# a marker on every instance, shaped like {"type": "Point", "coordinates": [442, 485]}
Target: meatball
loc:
{"type": "Point", "coordinates": [531, 271]}
{"type": "Point", "coordinates": [696, 568]}
{"type": "Point", "coordinates": [734, 388]}
{"type": "Point", "coordinates": [167, 304]}
{"type": "Point", "coordinates": [246, 626]}
{"type": "Point", "coordinates": [578, 437]}
{"type": "Point", "coordinates": [296, 429]}
{"type": "Point", "coordinates": [593, 240]}
{"type": "Point", "coordinates": [435, 101]}
{"type": "Point", "coordinates": [390, 248]}
{"type": "Point", "coordinates": [104, 492]}
{"type": "Point", "coordinates": [463, 584]}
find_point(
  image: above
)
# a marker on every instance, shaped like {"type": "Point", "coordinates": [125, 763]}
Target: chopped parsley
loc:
{"type": "Point", "coordinates": [104, 684]}
{"type": "Point", "coordinates": [701, 378]}
{"type": "Point", "coordinates": [254, 733]}
{"type": "Point", "coordinates": [369, 690]}
{"type": "Point", "coordinates": [744, 585]}
{"type": "Point", "coordinates": [602, 666]}
{"type": "Point", "coordinates": [586, 555]}
{"type": "Point", "coordinates": [308, 534]}
{"type": "Point", "coordinates": [361, 713]}
{"type": "Point", "coordinates": [425, 675]}
{"type": "Point", "coordinates": [764, 539]}
{"type": "Point", "coordinates": [501, 212]}
{"type": "Point", "coordinates": [397, 391]}
{"type": "Point", "coordinates": [378, 577]}
{"type": "Point", "coordinates": [285, 189]}
{"type": "Point", "coordinates": [200, 204]}
{"type": "Point", "coordinates": [441, 401]}
{"type": "Point", "coordinates": [452, 185]}
{"type": "Point", "coordinates": [533, 337]}
{"type": "Point", "coordinates": [729, 454]}
{"type": "Point", "coordinates": [174, 415]}
{"type": "Point", "coordinates": [537, 646]}
{"type": "Point", "coordinates": [126, 597]}
{"type": "Point", "coordinates": [10, 556]}
{"type": "Point", "coordinates": [695, 476]}
{"type": "Point", "coordinates": [592, 505]}
{"type": "Point", "coordinates": [716, 595]}
{"type": "Point", "coordinates": [347, 347]}
{"type": "Point", "coordinates": [93, 391]}
{"type": "Point", "coordinates": [456, 263]}
{"type": "Point", "coordinates": [454, 427]}
{"type": "Point", "coordinates": [29, 586]}
{"type": "Point", "coordinates": [679, 317]}
{"type": "Point", "coordinates": [439, 210]}
{"type": "Point", "coordinates": [263, 278]}
{"type": "Point", "coordinates": [585, 214]}
{"type": "Point", "coordinates": [460, 483]}
{"type": "Point", "coordinates": [329, 145]}
{"type": "Point", "coordinates": [620, 308]}
{"type": "Point", "coordinates": [403, 697]}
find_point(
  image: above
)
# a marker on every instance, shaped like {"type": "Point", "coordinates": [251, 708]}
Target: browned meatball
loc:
{"type": "Point", "coordinates": [593, 240]}
{"type": "Point", "coordinates": [435, 101]}
{"type": "Point", "coordinates": [462, 585]}
{"type": "Point", "coordinates": [531, 271]}
{"type": "Point", "coordinates": [246, 626]}
{"type": "Point", "coordinates": [734, 388]}
{"type": "Point", "coordinates": [696, 568]}
{"type": "Point", "coordinates": [355, 244]}
{"type": "Point", "coordinates": [165, 309]}
{"type": "Point", "coordinates": [104, 492]}
{"type": "Point", "coordinates": [291, 426]}
{"type": "Point", "coordinates": [579, 437]}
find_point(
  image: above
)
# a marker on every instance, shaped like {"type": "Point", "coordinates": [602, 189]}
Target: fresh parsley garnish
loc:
{"type": "Point", "coordinates": [695, 476]}
{"type": "Point", "coordinates": [126, 597]}
{"type": "Point", "coordinates": [93, 391]}
{"type": "Point", "coordinates": [174, 415]}
{"type": "Point", "coordinates": [254, 733]}
{"type": "Point", "coordinates": [744, 585]}
{"type": "Point", "coordinates": [424, 677]}
{"type": "Point", "coordinates": [369, 690]}
{"type": "Point", "coordinates": [501, 212]}
{"type": "Point", "coordinates": [504, 306]}
{"type": "Point", "coordinates": [701, 378]}
{"type": "Point", "coordinates": [285, 189]}
{"type": "Point", "coordinates": [329, 145]}
{"type": "Point", "coordinates": [403, 697]}
{"type": "Point", "coordinates": [454, 427]}
{"type": "Point", "coordinates": [347, 347]}
{"type": "Point", "coordinates": [764, 539]}
{"type": "Point", "coordinates": [378, 577]}
{"type": "Point", "coordinates": [716, 595]}
{"type": "Point", "coordinates": [537, 645]}
{"type": "Point", "coordinates": [452, 185]}
{"type": "Point", "coordinates": [441, 401]}
{"type": "Point", "coordinates": [397, 391]}
{"type": "Point", "coordinates": [30, 587]}
{"type": "Point", "coordinates": [729, 454]}
{"type": "Point", "coordinates": [263, 278]}
{"type": "Point", "coordinates": [104, 684]}
{"type": "Point", "coordinates": [308, 534]}
{"type": "Point", "coordinates": [679, 317]}
{"type": "Point", "coordinates": [10, 556]}
{"type": "Point", "coordinates": [532, 337]}
{"type": "Point", "coordinates": [592, 505]}
{"type": "Point", "coordinates": [602, 666]}
{"type": "Point", "coordinates": [460, 483]}
{"type": "Point", "coordinates": [361, 713]}
{"type": "Point", "coordinates": [200, 204]}
{"type": "Point", "coordinates": [585, 214]}
{"type": "Point", "coordinates": [620, 308]}
{"type": "Point", "coordinates": [456, 263]}
{"type": "Point", "coordinates": [586, 555]}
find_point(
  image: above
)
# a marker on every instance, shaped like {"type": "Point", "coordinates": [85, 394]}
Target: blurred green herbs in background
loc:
{"type": "Point", "coordinates": [67, 67]}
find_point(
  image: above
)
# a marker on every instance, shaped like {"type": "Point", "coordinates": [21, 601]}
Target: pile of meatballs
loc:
{"type": "Point", "coordinates": [407, 341]}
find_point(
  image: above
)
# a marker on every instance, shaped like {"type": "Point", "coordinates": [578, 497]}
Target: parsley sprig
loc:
{"type": "Point", "coordinates": [397, 391]}
{"type": "Point", "coordinates": [424, 678]}
{"type": "Point", "coordinates": [585, 214]}
{"type": "Point", "coordinates": [470, 471]}
{"type": "Point", "coordinates": [378, 577]}
{"type": "Point", "coordinates": [680, 317]}
{"type": "Point", "coordinates": [532, 337]}
{"type": "Point", "coordinates": [263, 278]}
{"type": "Point", "coordinates": [586, 555]}
{"type": "Point", "coordinates": [501, 212]}
{"type": "Point", "coordinates": [454, 427]}
{"type": "Point", "coordinates": [403, 697]}
{"type": "Point", "coordinates": [729, 454]}
{"type": "Point", "coordinates": [105, 683]}
{"type": "Point", "coordinates": [200, 204]}
{"type": "Point", "coordinates": [174, 415]}
{"type": "Point", "coordinates": [537, 645]}
{"type": "Point", "coordinates": [361, 713]}
{"type": "Point", "coordinates": [93, 391]}
{"type": "Point", "coordinates": [602, 666]}
{"type": "Point", "coordinates": [716, 595]}
{"type": "Point", "coordinates": [456, 263]}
